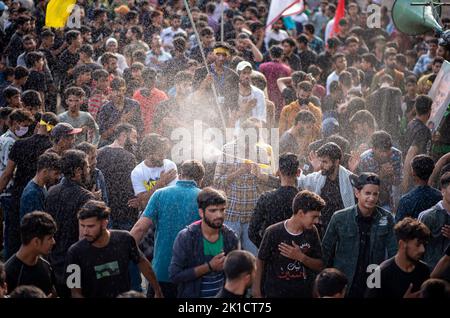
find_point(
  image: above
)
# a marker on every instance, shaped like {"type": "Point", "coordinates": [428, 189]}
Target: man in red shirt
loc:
{"type": "Point", "coordinates": [273, 70]}
{"type": "Point", "coordinates": [149, 97]}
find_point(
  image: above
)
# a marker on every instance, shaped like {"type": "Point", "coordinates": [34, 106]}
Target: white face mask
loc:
{"type": "Point", "coordinates": [22, 131]}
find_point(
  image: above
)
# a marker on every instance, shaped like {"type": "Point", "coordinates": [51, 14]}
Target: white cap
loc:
{"type": "Point", "coordinates": [111, 40]}
{"type": "Point", "coordinates": [242, 65]}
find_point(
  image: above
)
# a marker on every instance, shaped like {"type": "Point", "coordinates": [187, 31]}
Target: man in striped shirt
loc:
{"type": "Point", "coordinates": [100, 95]}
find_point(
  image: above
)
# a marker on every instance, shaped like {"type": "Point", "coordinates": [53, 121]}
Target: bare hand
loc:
{"type": "Point", "coordinates": [446, 231]}
{"type": "Point", "coordinates": [134, 203]}
{"type": "Point", "coordinates": [354, 160]}
{"type": "Point", "coordinates": [249, 105]}
{"type": "Point", "coordinates": [314, 160]}
{"type": "Point", "coordinates": [167, 177]}
{"type": "Point", "coordinates": [410, 294]}
{"type": "Point", "coordinates": [207, 81]}
{"type": "Point", "coordinates": [291, 251]}
{"type": "Point", "coordinates": [217, 262]}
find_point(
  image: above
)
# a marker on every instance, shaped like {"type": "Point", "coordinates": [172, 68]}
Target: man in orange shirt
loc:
{"type": "Point", "coordinates": [148, 98]}
{"type": "Point", "coordinates": [289, 112]}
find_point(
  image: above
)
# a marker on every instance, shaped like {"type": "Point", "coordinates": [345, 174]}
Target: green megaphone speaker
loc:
{"type": "Point", "coordinates": [413, 18]}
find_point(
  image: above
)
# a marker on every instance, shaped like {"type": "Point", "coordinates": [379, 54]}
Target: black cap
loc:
{"type": "Point", "coordinates": [364, 178]}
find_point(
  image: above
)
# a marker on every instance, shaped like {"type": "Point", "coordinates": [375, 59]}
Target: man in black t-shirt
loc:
{"type": "Point", "coordinates": [403, 274]}
{"type": "Point", "coordinates": [103, 256]}
{"type": "Point", "coordinates": [276, 205]}
{"type": "Point", "coordinates": [27, 267]}
{"type": "Point", "coordinates": [419, 137]}
{"type": "Point", "coordinates": [290, 254]}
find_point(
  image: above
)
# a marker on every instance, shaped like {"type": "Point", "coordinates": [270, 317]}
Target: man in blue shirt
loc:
{"type": "Point", "coordinates": [34, 194]}
{"type": "Point", "coordinates": [422, 197]}
{"type": "Point", "coordinates": [171, 209]}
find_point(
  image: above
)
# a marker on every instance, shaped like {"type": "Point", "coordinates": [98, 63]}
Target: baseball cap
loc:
{"type": "Point", "coordinates": [364, 178]}
{"type": "Point", "coordinates": [64, 129]}
{"type": "Point", "coordinates": [242, 65]}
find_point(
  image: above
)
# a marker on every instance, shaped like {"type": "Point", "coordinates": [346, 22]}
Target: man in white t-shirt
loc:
{"type": "Point", "coordinates": [168, 34]}
{"type": "Point", "coordinates": [155, 172]}
{"type": "Point", "coordinates": [276, 33]}
{"type": "Point", "coordinates": [252, 102]}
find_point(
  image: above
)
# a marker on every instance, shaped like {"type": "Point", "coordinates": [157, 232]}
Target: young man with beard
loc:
{"type": "Point", "coordinates": [117, 161]}
{"type": "Point", "coordinates": [252, 102]}
{"type": "Point", "coordinates": [104, 255]}
{"type": "Point", "coordinates": [332, 182]}
{"type": "Point", "coordinates": [28, 266]}
{"type": "Point", "coordinates": [63, 203]}
{"type": "Point", "coordinates": [63, 138]}
{"type": "Point", "coordinates": [34, 194]}
{"type": "Point", "coordinates": [403, 275]}
{"type": "Point", "coordinates": [199, 250]}
{"type": "Point", "coordinates": [239, 268]}
{"type": "Point", "coordinates": [437, 219]}
{"type": "Point", "coordinates": [360, 235]}
{"type": "Point", "coordinates": [290, 253]}
{"type": "Point", "coordinates": [389, 62]}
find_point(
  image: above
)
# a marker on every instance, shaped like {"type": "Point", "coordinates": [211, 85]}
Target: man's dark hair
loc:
{"type": "Point", "coordinates": [50, 118]}
{"type": "Point", "coordinates": [10, 92]}
{"type": "Point", "coordinates": [381, 140]}
{"type": "Point", "coordinates": [423, 166]}
{"type": "Point", "coordinates": [36, 224]}
{"type": "Point", "coordinates": [337, 56]}
{"type": "Point", "coordinates": [104, 59]}
{"type": "Point", "coordinates": [100, 73]}
{"type": "Point", "coordinates": [370, 58]}
{"type": "Point", "coordinates": [71, 36]}
{"type": "Point", "coordinates": [71, 160]}
{"type": "Point", "coordinates": [351, 39]}
{"type": "Point", "coordinates": [310, 28]}
{"type": "Point", "coordinates": [210, 196]}
{"type": "Point", "coordinates": [192, 170]}
{"type": "Point", "coordinates": [363, 116]}
{"type": "Point", "coordinates": [238, 263]}
{"type": "Point", "coordinates": [31, 98]}
{"type": "Point", "coordinates": [343, 143]}
{"type": "Point", "coordinates": [153, 142]}
{"type": "Point", "coordinates": [444, 182]}
{"type": "Point", "coordinates": [435, 288]}
{"type": "Point", "coordinates": [21, 115]}
{"type": "Point", "coordinates": [355, 104]}
{"type": "Point", "coordinates": [206, 31]}
{"type": "Point", "coordinates": [130, 15]}
{"type": "Point", "coordinates": [117, 83]}
{"type": "Point", "coordinates": [149, 74]}
{"type": "Point", "coordinates": [94, 209]}
{"type": "Point", "coordinates": [276, 52]}
{"type": "Point", "coordinates": [410, 229]}
{"type": "Point", "coordinates": [98, 13]}
{"type": "Point", "coordinates": [302, 39]}
{"type": "Point", "coordinates": [289, 41]}
{"type": "Point", "coordinates": [50, 161]}
{"type": "Point", "coordinates": [87, 49]}
{"type": "Point", "coordinates": [132, 294]}
{"type": "Point", "coordinates": [304, 116]}
{"type": "Point", "coordinates": [137, 31]}
{"type": "Point", "coordinates": [86, 147]}
{"type": "Point", "coordinates": [330, 150]}
{"type": "Point", "coordinates": [20, 72]}
{"type": "Point", "coordinates": [307, 201]}
{"type": "Point", "coordinates": [423, 104]}
{"type": "Point", "coordinates": [81, 69]}
{"type": "Point", "coordinates": [179, 44]}
{"type": "Point", "coordinates": [438, 59]}
{"type": "Point", "coordinates": [32, 58]}
{"type": "Point", "coordinates": [305, 86]}
{"type": "Point", "coordinates": [329, 282]}
{"type": "Point", "coordinates": [27, 291]}
{"type": "Point", "coordinates": [75, 91]}
{"type": "Point", "coordinates": [125, 127]}
{"type": "Point", "coordinates": [288, 164]}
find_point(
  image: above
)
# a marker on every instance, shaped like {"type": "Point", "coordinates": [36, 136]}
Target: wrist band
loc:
{"type": "Point", "coordinates": [209, 266]}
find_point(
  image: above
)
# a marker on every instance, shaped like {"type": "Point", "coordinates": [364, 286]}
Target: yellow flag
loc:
{"type": "Point", "coordinates": [58, 11]}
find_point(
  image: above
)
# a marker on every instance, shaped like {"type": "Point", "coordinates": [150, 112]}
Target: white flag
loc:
{"type": "Point", "coordinates": [283, 8]}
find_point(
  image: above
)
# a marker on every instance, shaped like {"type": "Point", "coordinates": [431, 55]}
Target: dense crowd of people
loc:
{"type": "Point", "coordinates": [331, 183]}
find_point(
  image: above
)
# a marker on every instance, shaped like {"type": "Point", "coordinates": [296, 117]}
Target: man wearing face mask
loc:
{"type": "Point", "coordinates": [63, 203]}
{"type": "Point", "coordinates": [332, 182]}
{"type": "Point", "coordinates": [288, 113]}
{"type": "Point", "coordinates": [19, 120]}
{"type": "Point", "coordinates": [116, 161]}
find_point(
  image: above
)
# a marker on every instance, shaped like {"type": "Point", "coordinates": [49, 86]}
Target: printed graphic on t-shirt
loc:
{"type": "Point", "coordinates": [295, 269]}
{"type": "Point", "coordinates": [107, 270]}
{"type": "Point", "coordinates": [150, 184]}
